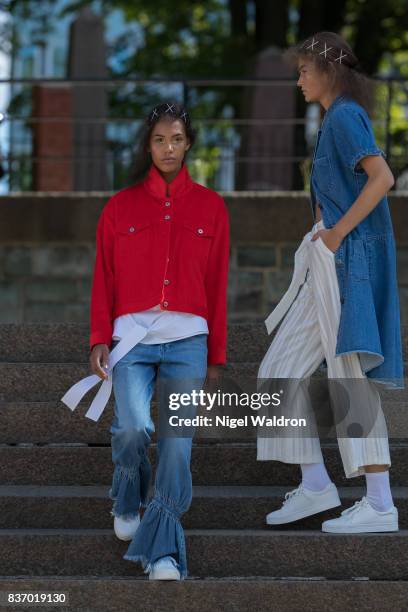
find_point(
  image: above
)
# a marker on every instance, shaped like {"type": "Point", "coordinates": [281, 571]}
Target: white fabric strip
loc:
{"type": "Point", "coordinates": [74, 395]}
{"type": "Point", "coordinates": [298, 278]}
{"type": "Point", "coordinates": [163, 325]}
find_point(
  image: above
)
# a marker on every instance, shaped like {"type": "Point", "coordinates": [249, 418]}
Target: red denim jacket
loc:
{"type": "Point", "coordinates": [167, 244]}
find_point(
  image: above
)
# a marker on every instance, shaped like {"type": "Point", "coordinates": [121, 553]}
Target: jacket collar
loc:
{"type": "Point", "coordinates": [155, 183]}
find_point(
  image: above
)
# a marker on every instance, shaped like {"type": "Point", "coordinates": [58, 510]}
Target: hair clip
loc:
{"type": "Point", "coordinates": [170, 108]}
{"type": "Point", "coordinates": [313, 43]}
{"type": "Point", "coordinates": [153, 114]}
{"type": "Point", "coordinates": [325, 50]}
{"type": "Point", "coordinates": [338, 59]}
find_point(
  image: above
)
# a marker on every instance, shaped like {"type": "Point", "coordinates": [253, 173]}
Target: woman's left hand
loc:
{"type": "Point", "coordinates": [212, 378]}
{"type": "Point", "coordinates": [213, 372]}
{"type": "Point", "coordinates": [330, 238]}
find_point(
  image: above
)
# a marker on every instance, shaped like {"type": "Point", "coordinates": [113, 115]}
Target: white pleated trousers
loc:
{"type": "Point", "coordinates": [306, 336]}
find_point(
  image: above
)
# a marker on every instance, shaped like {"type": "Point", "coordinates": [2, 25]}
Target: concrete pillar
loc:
{"type": "Point", "coordinates": [275, 141]}
{"type": "Point", "coordinates": [87, 58]}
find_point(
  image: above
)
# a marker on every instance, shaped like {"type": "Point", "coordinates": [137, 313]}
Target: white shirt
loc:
{"type": "Point", "coordinates": [162, 325]}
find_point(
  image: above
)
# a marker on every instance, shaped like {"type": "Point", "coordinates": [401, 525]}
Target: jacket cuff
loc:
{"type": "Point", "coordinates": [216, 357]}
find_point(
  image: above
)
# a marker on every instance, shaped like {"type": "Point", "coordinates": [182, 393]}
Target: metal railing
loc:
{"type": "Point", "coordinates": [227, 150]}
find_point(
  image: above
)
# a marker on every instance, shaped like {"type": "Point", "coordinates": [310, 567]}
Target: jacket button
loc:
{"type": "Point", "coordinates": [167, 217]}
{"type": "Point", "coordinates": [165, 304]}
{"type": "Point", "coordinates": [200, 231]}
{"type": "Point", "coordinates": [341, 300]}
{"type": "Point", "coordinates": [131, 229]}
{"type": "Point", "coordinates": [167, 203]}
{"type": "Point", "coordinates": [166, 281]}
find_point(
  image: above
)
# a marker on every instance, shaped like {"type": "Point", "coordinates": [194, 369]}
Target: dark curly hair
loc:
{"type": "Point", "coordinates": [334, 56]}
{"type": "Point", "coordinates": [168, 111]}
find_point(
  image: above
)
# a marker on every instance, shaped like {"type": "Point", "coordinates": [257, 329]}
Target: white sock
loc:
{"type": "Point", "coordinates": [378, 490]}
{"type": "Point", "coordinates": [314, 476]}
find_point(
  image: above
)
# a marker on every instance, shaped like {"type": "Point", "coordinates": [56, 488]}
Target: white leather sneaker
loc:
{"type": "Point", "coordinates": [164, 569]}
{"type": "Point", "coordinates": [125, 529]}
{"type": "Point", "coordinates": [301, 502]}
{"type": "Point", "coordinates": [363, 518]}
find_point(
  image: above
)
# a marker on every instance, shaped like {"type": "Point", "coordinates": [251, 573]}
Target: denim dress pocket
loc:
{"type": "Point", "coordinates": [358, 260]}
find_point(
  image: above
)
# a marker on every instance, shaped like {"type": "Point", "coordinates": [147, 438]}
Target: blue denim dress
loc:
{"type": "Point", "coordinates": [366, 259]}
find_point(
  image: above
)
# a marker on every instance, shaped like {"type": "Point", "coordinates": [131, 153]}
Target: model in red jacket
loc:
{"type": "Point", "coordinates": [161, 271]}
{"type": "Point", "coordinates": [164, 243]}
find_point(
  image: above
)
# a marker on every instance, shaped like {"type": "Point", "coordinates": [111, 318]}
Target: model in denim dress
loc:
{"type": "Point", "coordinates": [176, 350]}
{"type": "Point", "coordinates": [353, 281]}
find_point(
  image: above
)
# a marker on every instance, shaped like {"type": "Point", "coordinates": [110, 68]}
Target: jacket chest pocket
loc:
{"type": "Point", "coordinates": [197, 239]}
{"type": "Point", "coordinates": [323, 174]}
{"type": "Point", "coordinates": [133, 239]}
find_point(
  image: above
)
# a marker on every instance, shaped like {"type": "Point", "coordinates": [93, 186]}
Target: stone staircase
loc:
{"type": "Point", "coordinates": [56, 530]}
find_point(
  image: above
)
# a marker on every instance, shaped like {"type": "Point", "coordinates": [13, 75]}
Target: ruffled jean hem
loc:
{"type": "Point", "coordinates": [120, 489]}
{"type": "Point", "coordinates": [159, 534]}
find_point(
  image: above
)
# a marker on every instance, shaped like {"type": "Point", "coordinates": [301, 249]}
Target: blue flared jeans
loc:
{"type": "Point", "coordinates": [171, 367]}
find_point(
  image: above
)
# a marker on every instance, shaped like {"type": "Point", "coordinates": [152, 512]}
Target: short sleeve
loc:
{"type": "Point", "coordinates": [353, 136]}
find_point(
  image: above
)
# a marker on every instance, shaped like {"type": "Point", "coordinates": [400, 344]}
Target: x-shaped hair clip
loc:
{"type": "Point", "coordinates": [325, 50]}
{"type": "Point", "coordinates": [313, 43]}
{"type": "Point", "coordinates": [341, 56]}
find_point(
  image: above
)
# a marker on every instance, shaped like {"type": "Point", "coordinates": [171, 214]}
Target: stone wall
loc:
{"type": "Point", "coordinates": [49, 283]}
{"type": "Point", "coordinates": [47, 252]}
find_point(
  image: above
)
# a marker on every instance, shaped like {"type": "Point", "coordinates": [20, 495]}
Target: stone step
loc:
{"type": "Point", "coordinates": [39, 382]}
{"type": "Point", "coordinates": [213, 594]}
{"type": "Point", "coordinates": [53, 422]}
{"type": "Point", "coordinates": [212, 552]}
{"type": "Point", "coordinates": [228, 507]}
{"type": "Point", "coordinates": [212, 464]}
{"type": "Point", "coordinates": [68, 342]}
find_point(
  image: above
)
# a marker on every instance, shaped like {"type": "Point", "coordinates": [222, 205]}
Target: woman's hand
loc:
{"type": "Point", "coordinates": [213, 372]}
{"type": "Point", "coordinates": [213, 375]}
{"type": "Point", "coordinates": [99, 359]}
{"type": "Point", "coordinates": [331, 238]}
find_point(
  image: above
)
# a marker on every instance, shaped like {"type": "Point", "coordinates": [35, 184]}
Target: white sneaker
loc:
{"type": "Point", "coordinates": [301, 502]}
{"type": "Point", "coordinates": [124, 528]}
{"type": "Point", "coordinates": [363, 518]}
{"type": "Point", "coordinates": [164, 569]}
